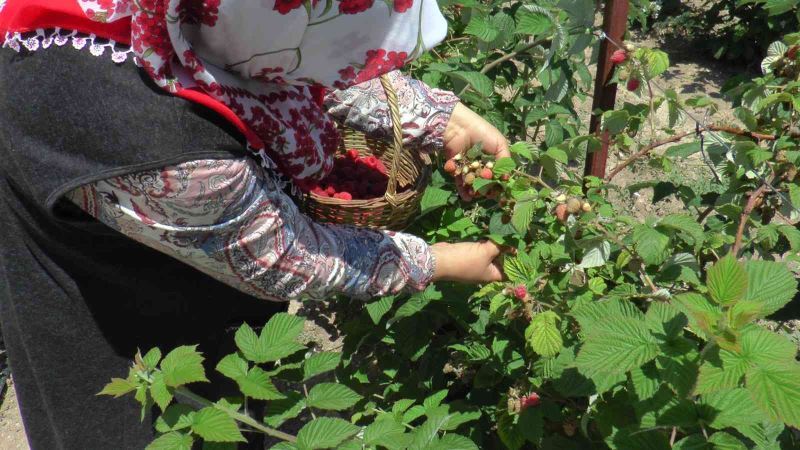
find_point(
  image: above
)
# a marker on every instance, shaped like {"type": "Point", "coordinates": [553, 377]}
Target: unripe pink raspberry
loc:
{"type": "Point", "coordinates": [520, 292]}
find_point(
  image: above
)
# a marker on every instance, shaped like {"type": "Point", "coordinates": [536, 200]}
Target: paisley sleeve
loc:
{"type": "Point", "coordinates": [229, 219]}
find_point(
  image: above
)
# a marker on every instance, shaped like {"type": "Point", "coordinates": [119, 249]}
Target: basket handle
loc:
{"type": "Point", "coordinates": [397, 145]}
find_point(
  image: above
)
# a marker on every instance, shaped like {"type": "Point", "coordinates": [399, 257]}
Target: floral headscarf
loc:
{"type": "Point", "coordinates": [259, 58]}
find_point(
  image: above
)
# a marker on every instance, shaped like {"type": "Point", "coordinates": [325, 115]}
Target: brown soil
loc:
{"type": "Point", "coordinates": [12, 434]}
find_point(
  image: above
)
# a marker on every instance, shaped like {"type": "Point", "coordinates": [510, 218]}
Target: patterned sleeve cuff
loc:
{"type": "Point", "coordinates": [424, 111]}
{"type": "Point", "coordinates": [419, 260]}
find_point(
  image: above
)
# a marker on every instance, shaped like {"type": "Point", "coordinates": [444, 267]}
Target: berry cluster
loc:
{"type": "Point", "coordinates": [470, 170]}
{"type": "Point", "coordinates": [570, 206]}
{"type": "Point", "coordinates": [354, 177]}
{"type": "Point", "coordinates": [787, 65]}
{"type": "Point", "coordinates": [620, 57]}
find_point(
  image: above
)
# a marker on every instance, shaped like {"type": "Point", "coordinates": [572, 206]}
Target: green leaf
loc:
{"type": "Point", "coordinates": [256, 384]}
{"type": "Point", "coordinates": [481, 28]}
{"type": "Point", "coordinates": [645, 381]}
{"type": "Point", "coordinates": [529, 22]}
{"type": "Point", "coordinates": [171, 441]}
{"type": "Point", "coordinates": [727, 281]}
{"type": "Point", "coordinates": [233, 366]}
{"type": "Point", "coordinates": [692, 442]}
{"type": "Point", "coordinates": [517, 270]}
{"type": "Point", "coordinates": [665, 319]}
{"type": "Point", "coordinates": [319, 363]}
{"type": "Point", "coordinates": [118, 387]}
{"type": "Point", "coordinates": [522, 216]}
{"type": "Point", "coordinates": [385, 432]}
{"type": "Point", "coordinates": [590, 314]}
{"type": "Point", "coordinates": [176, 417]}
{"type": "Point", "coordinates": [476, 80]}
{"type": "Point", "coordinates": [452, 442]}
{"type": "Point", "coordinates": [214, 425]}
{"type": "Point", "coordinates": [426, 433]}
{"type": "Point", "coordinates": [616, 345]}
{"type": "Point", "coordinates": [159, 391]}
{"type": "Point", "coordinates": [724, 441]}
{"type": "Point", "coordinates": [325, 432]}
{"type": "Point", "coordinates": [183, 365]}
{"type": "Point", "coordinates": [279, 411]}
{"type": "Point", "coordinates": [732, 408]}
{"type": "Point", "coordinates": [650, 244]}
{"type": "Point", "coordinates": [721, 376]}
{"type": "Point", "coordinates": [503, 166]}
{"type": "Point", "coordinates": [683, 150]}
{"type": "Point", "coordinates": [543, 334]}
{"type": "Point", "coordinates": [432, 199]}
{"type": "Point", "coordinates": [152, 357]}
{"type": "Point", "coordinates": [686, 226]}
{"type": "Point", "coordinates": [657, 62]}
{"type": "Point", "coordinates": [615, 121]}
{"type": "Point", "coordinates": [277, 339]}
{"type": "Point", "coordinates": [769, 283]}
{"type": "Point", "coordinates": [332, 396]}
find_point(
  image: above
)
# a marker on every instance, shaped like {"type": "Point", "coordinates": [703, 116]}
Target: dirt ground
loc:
{"type": "Point", "coordinates": [691, 73]}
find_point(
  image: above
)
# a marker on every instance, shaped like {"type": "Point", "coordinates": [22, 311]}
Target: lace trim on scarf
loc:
{"type": "Point", "coordinates": [44, 38]}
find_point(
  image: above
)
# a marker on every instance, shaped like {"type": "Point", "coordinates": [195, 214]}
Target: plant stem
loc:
{"type": "Point", "coordinates": [752, 201]}
{"type": "Point", "coordinates": [644, 151]}
{"type": "Point", "coordinates": [202, 402]}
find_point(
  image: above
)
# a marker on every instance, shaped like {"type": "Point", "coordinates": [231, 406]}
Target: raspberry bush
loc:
{"type": "Point", "coordinates": [611, 331]}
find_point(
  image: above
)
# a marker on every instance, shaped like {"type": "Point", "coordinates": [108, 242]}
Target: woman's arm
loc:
{"type": "Point", "coordinates": [424, 111]}
{"type": "Point", "coordinates": [228, 219]}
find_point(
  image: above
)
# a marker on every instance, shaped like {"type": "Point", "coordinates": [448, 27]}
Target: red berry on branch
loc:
{"type": "Point", "coordinates": [520, 292]}
{"type": "Point", "coordinates": [450, 166]}
{"type": "Point", "coordinates": [486, 174]}
{"type": "Point", "coordinates": [505, 177]}
{"type": "Point", "coordinates": [530, 400]}
{"type": "Point", "coordinates": [561, 212]}
{"type": "Point", "coordinates": [619, 57]}
{"type": "Point", "coordinates": [633, 84]}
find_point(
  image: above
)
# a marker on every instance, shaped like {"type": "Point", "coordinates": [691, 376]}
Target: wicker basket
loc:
{"type": "Point", "coordinates": [408, 168]}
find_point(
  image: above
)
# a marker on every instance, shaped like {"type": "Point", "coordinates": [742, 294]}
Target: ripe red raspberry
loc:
{"type": "Point", "coordinates": [450, 166]}
{"type": "Point", "coordinates": [792, 53]}
{"type": "Point", "coordinates": [529, 400]}
{"type": "Point", "coordinates": [520, 292]}
{"type": "Point", "coordinates": [619, 57]}
{"type": "Point", "coordinates": [486, 174]}
{"type": "Point", "coordinates": [352, 154]}
{"type": "Point", "coordinates": [330, 190]}
{"type": "Point", "coordinates": [343, 196]}
{"type": "Point", "coordinates": [633, 84]}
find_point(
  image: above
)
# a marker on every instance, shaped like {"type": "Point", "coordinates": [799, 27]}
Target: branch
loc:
{"type": "Point", "coordinates": [738, 132]}
{"type": "Point", "coordinates": [505, 58]}
{"type": "Point", "coordinates": [198, 401]}
{"type": "Point", "coordinates": [644, 151]}
{"type": "Point", "coordinates": [752, 202]}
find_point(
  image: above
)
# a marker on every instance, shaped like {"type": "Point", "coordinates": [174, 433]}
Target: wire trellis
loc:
{"type": "Point", "coordinates": [702, 129]}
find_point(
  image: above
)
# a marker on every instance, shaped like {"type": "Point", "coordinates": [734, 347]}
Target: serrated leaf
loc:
{"type": "Point", "coordinates": [769, 283]}
{"type": "Point", "coordinates": [650, 244]}
{"type": "Point", "coordinates": [503, 166]}
{"type": "Point", "coordinates": [426, 433]}
{"type": "Point", "coordinates": [171, 441]}
{"type": "Point", "coordinates": [645, 381]}
{"type": "Point", "coordinates": [332, 396]}
{"type": "Point", "coordinates": [481, 28]}
{"type": "Point", "coordinates": [233, 366]}
{"type": "Point", "coordinates": [517, 270]}
{"type": "Point", "coordinates": [616, 345]}
{"type": "Point", "coordinates": [727, 281]}
{"type": "Point", "coordinates": [277, 339]}
{"type": "Point", "coordinates": [214, 425]}
{"type": "Point", "coordinates": [543, 335]}
{"type": "Point", "coordinates": [325, 432]}
{"type": "Point", "coordinates": [722, 371]}
{"type": "Point", "coordinates": [665, 320]}
{"type": "Point", "coordinates": [596, 255]}
{"type": "Point", "coordinates": [657, 62]}
{"type": "Point", "coordinates": [256, 384]}
{"type": "Point", "coordinates": [183, 365]}
{"type": "Point", "coordinates": [452, 442]}
{"type": "Point", "coordinates": [433, 198]}
{"type": "Point", "coordinates": [592, 313]}
{"type": "Point", "coordinates": [159, 391]}
{"type": "Point", "coordinates": [534, 23]}
{"type": "Point", "coordinates": [522, 216]}
{"type": "Point", "coordinates": [476, 80]}
{"type": "Point", "coordinates": [151, 358]}
{"type": "Point", "coordinates": [118, 387]}
{"type": "Point", "coordinates": [176, 417]}
{"type": "Point", "coordinates": [279, 411]}
{"type": "Point", "coordinates": [724, 441]}
{"type": "Point", "coordinates": [732, 408]}
{"type": "Point", "coordinates": [319, 363]}
{"type": "Point", "coordinates": [386, 432]}
{"type": "Point", "coordinates": [685, 225]}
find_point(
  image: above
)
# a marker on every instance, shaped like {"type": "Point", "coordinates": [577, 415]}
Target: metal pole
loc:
{"type": "Point", "coordinates": [615, 22]}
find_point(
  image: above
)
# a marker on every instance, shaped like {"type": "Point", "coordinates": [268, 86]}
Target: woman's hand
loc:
{"type": "Point", "coordinates": [467, 262]}
{"type": "Point", "coordinates": [466, 129]}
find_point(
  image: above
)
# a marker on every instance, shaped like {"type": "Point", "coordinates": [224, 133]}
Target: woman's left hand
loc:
{"type": "Point", "coordinates": [465, 129]}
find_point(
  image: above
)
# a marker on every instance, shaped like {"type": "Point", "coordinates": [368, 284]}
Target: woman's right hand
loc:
{"type": "Point", "coordinates": [467, 262]}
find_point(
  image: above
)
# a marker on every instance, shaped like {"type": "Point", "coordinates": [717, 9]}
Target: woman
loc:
{"type": "Point", "coordinates": [143, 148]}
